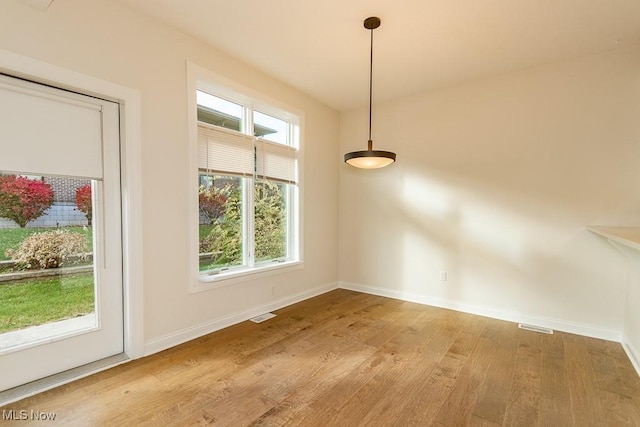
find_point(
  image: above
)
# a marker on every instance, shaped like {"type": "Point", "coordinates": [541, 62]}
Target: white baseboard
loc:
{"type": "Point", "coordinates": [632, 353]}
{"type": "Point", "coordinates": [188, 334]}
{"type": "Point", "coordinates": [556, 324]}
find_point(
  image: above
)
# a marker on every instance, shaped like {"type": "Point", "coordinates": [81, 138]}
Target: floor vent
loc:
{"type": "Point", "coordinates": [535, 328]}
{"type": "Point", "coordinates": [262, 317]}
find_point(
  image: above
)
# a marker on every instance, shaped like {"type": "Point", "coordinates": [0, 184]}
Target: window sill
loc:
{"type": "Point", "coordinates": [206, 282]}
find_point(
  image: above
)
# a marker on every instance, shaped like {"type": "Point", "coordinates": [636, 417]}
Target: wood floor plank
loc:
{"type": "Point", "coordinates": [352, 359]}
{"type": "Point", "coordinates": [440, 374]}
{"type": "Point", "coordinates": [476, 421]}
{"type": "Point", "coordinates": [457, 409]}
{"type": "Point", "coordinates": [381, 399]}
{"type": "Point", "coordinates": [311, 385]}
{"type": "Point", "coordinates": [492, 401]}
{"type": "Point", "coordinates": [524, 393]}
{"type": "Point", "coordinates": [620, 410]}
{"type": "Point", "coordinates": [555, 396]}
{"type": "Point", "coordinates": [585, 402]}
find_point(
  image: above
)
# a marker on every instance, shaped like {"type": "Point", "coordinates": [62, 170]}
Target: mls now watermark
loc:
{"type": "Point", "coordinates": [24, 415]}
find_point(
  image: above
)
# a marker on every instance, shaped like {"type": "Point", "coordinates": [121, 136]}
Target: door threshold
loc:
{"type": "Point", "coordinates": [53, 381]}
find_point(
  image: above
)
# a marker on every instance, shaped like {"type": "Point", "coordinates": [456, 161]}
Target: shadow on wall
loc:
{"type": "Point", "coordinates": [499, 246]}
{"type": "Point", "coordinates": [498, 242]}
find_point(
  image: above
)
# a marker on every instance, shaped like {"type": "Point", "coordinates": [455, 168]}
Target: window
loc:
{"type": "Point", "coordinates": [247, 186]}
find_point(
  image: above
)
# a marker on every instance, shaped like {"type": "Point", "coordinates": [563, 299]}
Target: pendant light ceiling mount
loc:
{"type": "Point", "coordinates": [370, 158]}
{"type": "Point", "coordinates": [372, 23]}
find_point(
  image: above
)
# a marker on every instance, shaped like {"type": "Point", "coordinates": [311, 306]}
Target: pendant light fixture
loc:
{"type": "Point", "coordinates": [370, 158]}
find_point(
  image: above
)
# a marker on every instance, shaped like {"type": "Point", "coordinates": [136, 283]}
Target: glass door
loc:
{"type": "Point", "coordinates": [60, 231]}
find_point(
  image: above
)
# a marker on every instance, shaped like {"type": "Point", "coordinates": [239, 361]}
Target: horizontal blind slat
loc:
{"type": "Point", "coordinates": [277, 162]}
{"type": "Point", "coordinates": [224, 151]}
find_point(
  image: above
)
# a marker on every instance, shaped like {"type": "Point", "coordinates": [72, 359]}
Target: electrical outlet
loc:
{"type": "Point", "coordinates": [443, 276]}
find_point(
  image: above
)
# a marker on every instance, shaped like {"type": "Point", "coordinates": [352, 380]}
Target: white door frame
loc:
{"type": "Point", "coordinates": [129, 99]}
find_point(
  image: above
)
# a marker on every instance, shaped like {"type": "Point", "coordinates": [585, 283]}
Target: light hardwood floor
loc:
{"type": "Point", "coordinates": [351, 359]}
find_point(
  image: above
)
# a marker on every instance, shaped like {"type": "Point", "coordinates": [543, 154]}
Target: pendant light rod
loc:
{"type": "Point", "coordinates": [371, 85]}
{"type": "Point", "coordinates": [370, 159]}
{"type": "Point", "coordinates": [371, 24]}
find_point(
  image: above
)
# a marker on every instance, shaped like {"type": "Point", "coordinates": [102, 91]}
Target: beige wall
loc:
{"type": "Point", "coordinates": [105, 40]}
{"type": "Point", "coordinates": [495, 182]}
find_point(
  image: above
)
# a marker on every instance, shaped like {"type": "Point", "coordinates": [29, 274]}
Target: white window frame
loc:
{"type": "Point", "coordinates": [199, 78]}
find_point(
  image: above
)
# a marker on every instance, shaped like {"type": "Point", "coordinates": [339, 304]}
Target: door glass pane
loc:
{"type": "Point", "coordinates": [46, 258]}
{"type": "Point", "coordinates": [219, 112]}
{"type": "Point", "coordinates": [220, 222]}
{"type": "Point", "coordinates": [270, 221]}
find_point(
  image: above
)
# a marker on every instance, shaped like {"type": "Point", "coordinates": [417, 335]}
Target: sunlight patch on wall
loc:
{"type": "Point", "coordinates": [429, 198]}
{"type": "Point", "coordinates": [489, 227]}
{"type": "Point", "coordinates": [453, 220]}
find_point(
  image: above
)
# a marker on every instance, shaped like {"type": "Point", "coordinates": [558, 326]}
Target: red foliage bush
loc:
{"type": "Point", "coordinates": [83, 201]}
{"type": "Point", "coordinates": [23, 199]}
{"type": "Point", "coordinates": [212, 203]}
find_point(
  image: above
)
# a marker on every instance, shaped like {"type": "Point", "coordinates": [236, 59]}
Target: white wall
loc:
{"type": "Point", "coordinates": [631, 338]}
{"type": "Point", "coordinates": [494, 183]}
{"type": "Point", "coordinates": [105, 40]}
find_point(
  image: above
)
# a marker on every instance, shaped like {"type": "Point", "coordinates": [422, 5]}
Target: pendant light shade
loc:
{"type": "Point", "coordinates": [370, 158]}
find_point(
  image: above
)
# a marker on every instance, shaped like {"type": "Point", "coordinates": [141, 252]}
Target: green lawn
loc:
{"type": "Point", "coordinates": [10, 238]}
{"type": "Point", "coordinates": [35, 302]}
{"type": "Point", "coordinates": [205, 230]}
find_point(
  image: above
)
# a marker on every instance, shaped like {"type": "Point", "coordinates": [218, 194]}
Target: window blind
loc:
{"type": "Point", "coordinates": [45, 131]}
{"type": "Point", "coordinates": [224, 151]}
{"type": "Point", "coordinates": [276, 162]}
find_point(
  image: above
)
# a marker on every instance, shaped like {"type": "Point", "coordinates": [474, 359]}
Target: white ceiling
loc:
{"type": "Point", "coordinates": [322, 48]}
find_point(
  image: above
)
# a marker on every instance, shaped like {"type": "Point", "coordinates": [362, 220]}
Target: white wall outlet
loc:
{"type": "Point", "coordinates": [443, 276]}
